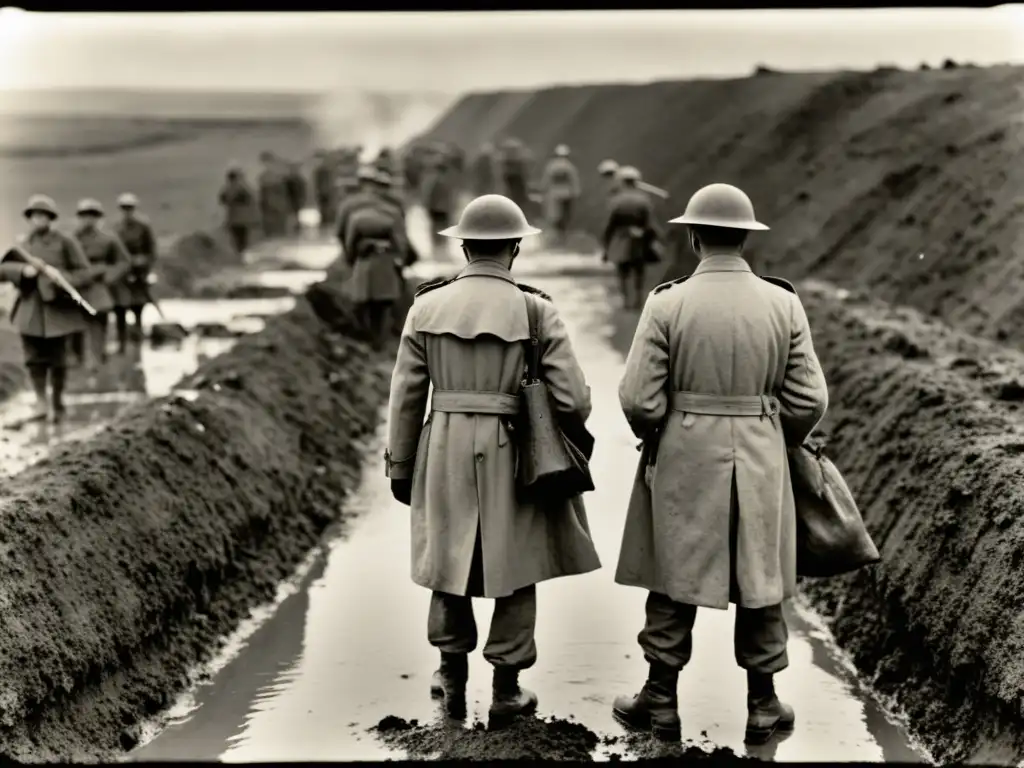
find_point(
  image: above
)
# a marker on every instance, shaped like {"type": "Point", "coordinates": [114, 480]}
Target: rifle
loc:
{"type": "Point", "coordinates": [653, 190]}
{"type": "Point", "coordinates": [55, 275]}
{"type": "Point", "coordinates": [147, 294]}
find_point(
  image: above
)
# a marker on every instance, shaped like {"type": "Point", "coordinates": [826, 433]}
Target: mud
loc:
{"type": "Point", "coordinates": [162, 530]}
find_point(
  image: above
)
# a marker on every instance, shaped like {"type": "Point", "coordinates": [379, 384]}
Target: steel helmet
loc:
{"type": "Point", "coordinates": [607, 167]}
{"type": "Point", "coordinates": [720, 205]}
{"type": "Point", "coordinates": [627, 173]}
{"type": "Point", "coordinates": [562, 151]}
{"type": "Point", "coordinates": [127, 200]}
{"type": "Point", "coordinates": [491, 217]}
{"type": "Point", "coordinates": [89, 205]}
{"type": "Point", "coordinates": [41, 204]}
{"type": "Point", "coordinates": [366, 173]}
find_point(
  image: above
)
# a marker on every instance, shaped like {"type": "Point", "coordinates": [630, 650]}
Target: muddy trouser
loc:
{"type": "Point", "coordinates": [375, 315]}
{"type": "Point", "coordinates": [239, 237]}
{"type": "Point", "coordinates": [46, 358]}
{"type": "Point", "coordinates": [451, 626]}
{"type": "Point", "coordinates": [326, 212]}
{"type": "Point", "coordinates": [563, 215]}
{"type": "Point", "coordinates": [632, 290]}
{"type": "Point", "coordinates": [121, 321]}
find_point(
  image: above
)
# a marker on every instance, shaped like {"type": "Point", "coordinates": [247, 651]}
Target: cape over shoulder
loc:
{"type": "Point", "coordinates": [782, 283]}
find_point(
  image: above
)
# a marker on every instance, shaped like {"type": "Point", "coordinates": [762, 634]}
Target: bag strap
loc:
{"type": "Point", "coordinates": [533, 343]}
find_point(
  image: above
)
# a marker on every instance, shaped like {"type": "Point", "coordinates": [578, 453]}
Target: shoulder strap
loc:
{"type": "Point", "coordinates": [670, 283]}
{"type": "Point", "coordinates": [533, 343]}
{"type": "Point", "coordinates": [779, 282]}
{"type": "Point", "coordinates": [430, 285]}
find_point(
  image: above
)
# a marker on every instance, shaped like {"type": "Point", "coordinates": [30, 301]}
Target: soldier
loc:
{"type": "Point", "coordinates": [560, 186]}
{"type": "Point", "coordinates": [484, 180]}
{"type": "Point", "coordinates": [239, 202]}
{"type": "Point", "coordinates": [514, 173]}
{"type": "Point", "coordinates": [438, 197]}
{"type": "Point", "coordinates": [630, 235]}
{"type": "Point", "coordinates": [273, 194]}
{"type": "Point", "coordinates": [138, 237]}
{"type": "Point", "coordinates": [471, 535]}
{"type": "Point", "coordinates": [721, 377]}
{"type": "Point", "coordinates": [296, 189]}
{"type": "Point", "coordinates": [110, 263]}
{"type": "Point", "coordinates": [362, 196]}
{"type": "Point", "coordinates": [608, 171]}
{"type": "Point", "coordinates": [325, 190]}
{"type": "Point", "coordinates": [376, 248]}
{"type": "Point", "coordinates": [43, 314]}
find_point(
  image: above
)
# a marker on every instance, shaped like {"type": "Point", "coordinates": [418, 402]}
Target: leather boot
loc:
{"type": "Point", "coordinates": [508, 699]}
{"type": "Point", "coordinates": [449, 683]}
{"type": "Point", "coordinates": [766, 715]}
{"type": "Point", "coordinates": [655, 708]}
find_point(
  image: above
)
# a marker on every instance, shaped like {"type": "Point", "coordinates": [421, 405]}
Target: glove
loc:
{"type": "Point", "coordinates": [402, 491]}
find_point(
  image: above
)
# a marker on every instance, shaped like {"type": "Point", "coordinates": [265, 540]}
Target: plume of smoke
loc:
{"type": "Point", "coordinates": [375, 120]}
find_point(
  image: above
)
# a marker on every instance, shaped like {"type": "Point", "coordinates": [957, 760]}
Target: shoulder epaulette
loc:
{"type": "Point", "coordinates": [779, 282]}
{"type": "Point", "coordinates": [535, 291]}
{"type": "Point", "coordinates": [670, 283]}
{"type": "Point", "coordinates": [432, 284]}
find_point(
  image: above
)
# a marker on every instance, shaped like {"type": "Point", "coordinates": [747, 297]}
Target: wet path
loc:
{"type": "Point", "coordinates": [348, 647]}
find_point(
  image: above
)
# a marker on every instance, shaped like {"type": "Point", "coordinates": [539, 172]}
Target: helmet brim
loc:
{"type": "Point", "coordinates": [34, 209]}
{"type": "Point", "coordinates": [702, 221]}
{"type": "Point", "coordinates": [468, 234]}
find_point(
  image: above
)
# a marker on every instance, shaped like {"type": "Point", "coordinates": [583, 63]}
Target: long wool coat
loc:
{"type": "Point", "coordinates": [628, 208]}
{"type": "Point", "coordinates": [722, 331]}
{"type": "Point", "coordinates": [110, 262]}
{"type": "Point", "coordinates": [42, 309]}
{"type": "Point", "coordinates": [468, 334]}
{"type": "Point", "coordinates": [375, 276]}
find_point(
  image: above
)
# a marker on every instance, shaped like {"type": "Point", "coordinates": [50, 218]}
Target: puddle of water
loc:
{"type": "Point", "coordinates": [309, 686]}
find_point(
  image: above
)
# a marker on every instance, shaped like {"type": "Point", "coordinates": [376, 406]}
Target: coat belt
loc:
{"type": "Point", "coordinates": [725, 405]}
{"type": "Point", "coordinates": [462, 401]}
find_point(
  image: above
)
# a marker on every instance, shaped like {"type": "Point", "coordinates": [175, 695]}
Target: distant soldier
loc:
{"type": "Point", "coordinates": [472, 534]}
{"type": "Point", "coordinates": [560, 186]}
{"type": "Point", "coordinates": [138, 237]}
{"type": "Point", "coordinates": [43, 314]}
{"type": "Point", "coordinates": [484, 171]}
{"type": "Point", "coordinates": [240, 210]}
{"type": "Point", "coordinates": [515, 173]}
{"type": "Point", "coordinates": [631, 237]}
{"type": "Point", "coordinates": [362, 196]}
{"type": "Point", "coordinates": [608, 171]}
{"type": "Point", "coordinates": [438, 197]}
{"type": "Point", "coordinates": [273, 194]}
{"type": "Point", "coordinates": [110, 262]}
{"type": "Point", "coordinates": [297, 189]}
{"type": "Point", "coordinates": [721, 377]}
{"type": "Point", "coordinates": [325, 190]}
{"type": "Point", "coordinates": [376, 248]}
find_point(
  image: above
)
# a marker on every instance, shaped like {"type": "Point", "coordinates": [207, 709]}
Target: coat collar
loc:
{"type": "Point", "coordinates": [486, 268]}
{"type": "Point", "coordinates": [722, 263]}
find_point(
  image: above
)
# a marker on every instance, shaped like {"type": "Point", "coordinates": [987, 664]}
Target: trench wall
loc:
{"type": "Point", "coordinates": [902, 187]}
{"type": "Point", "coordinates": [123, 560]}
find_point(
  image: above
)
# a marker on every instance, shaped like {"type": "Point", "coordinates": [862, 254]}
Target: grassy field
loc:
{"type": "Point", "coordinates": [174, 163]}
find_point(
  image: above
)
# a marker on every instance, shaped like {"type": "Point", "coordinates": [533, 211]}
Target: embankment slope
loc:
{"type": "Point", "coordinates": [904, 183]}
{"type": "Point", "coordinates": [125, 558]}
{"type": "Point", "coordinates": [903, 186]}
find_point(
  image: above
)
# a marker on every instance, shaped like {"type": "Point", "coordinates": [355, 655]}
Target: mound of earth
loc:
{"type": "Point", "coordinates": [125, 558]}
{"type": "Point", "coordinates": [902, 183]}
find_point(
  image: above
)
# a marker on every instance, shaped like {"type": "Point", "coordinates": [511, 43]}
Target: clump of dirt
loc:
{"type": "Point", "coordinates": [125, 558]}
{"type": "Point", "coordinates": [644, 748]}
{"type": "Point", "coordinates": [526, 738]}
{"type": "Point", "coordinates": [193, 258]}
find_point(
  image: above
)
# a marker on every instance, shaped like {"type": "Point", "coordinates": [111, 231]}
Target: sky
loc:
{"type": "Point", "coordinates": [456, 52]}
